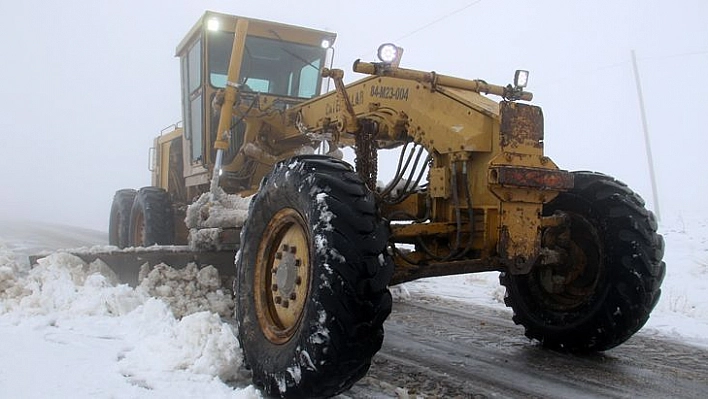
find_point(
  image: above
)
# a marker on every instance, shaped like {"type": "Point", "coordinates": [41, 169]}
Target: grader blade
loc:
{"type": "Point", "coordinates": [127, 263]}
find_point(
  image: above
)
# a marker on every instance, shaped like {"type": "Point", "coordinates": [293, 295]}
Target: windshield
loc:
{"type": "Point", "coordinates": [269, 65]}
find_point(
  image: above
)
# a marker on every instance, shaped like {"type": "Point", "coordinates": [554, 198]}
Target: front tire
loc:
{"type": "Point", "coordinates": [312, 276]}
{"type": "Point", "coordinates": [152, 218]}
{"type": "Point", "coordinates": [610, 280]}
{"type": "Point", "coordinates": [119, 223]}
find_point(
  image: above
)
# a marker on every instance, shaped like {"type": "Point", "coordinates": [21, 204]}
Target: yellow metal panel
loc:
{"type": "Point", "coordinates": [440, 182]}
{"type": "Point", "coordinates": [164, 164]}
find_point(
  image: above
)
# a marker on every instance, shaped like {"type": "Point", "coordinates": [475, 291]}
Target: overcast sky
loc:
{"type": "Point", "coordinates": [86, 85]}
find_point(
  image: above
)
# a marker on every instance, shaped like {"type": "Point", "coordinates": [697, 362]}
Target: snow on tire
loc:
{"type": "Point", "coordinates": [610, 282]}
{"type": "Point", "coordinates": [312, 275]}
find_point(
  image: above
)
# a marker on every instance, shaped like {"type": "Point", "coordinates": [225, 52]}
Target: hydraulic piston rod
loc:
{"type": "Point", "coordinates": [223, 133]}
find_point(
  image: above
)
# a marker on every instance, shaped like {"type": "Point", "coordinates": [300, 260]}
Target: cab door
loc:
{"type": "Point", "coordinates": [192, 69]}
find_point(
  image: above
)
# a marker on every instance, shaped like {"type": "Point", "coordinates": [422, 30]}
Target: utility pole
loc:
{"type": "Point", "coordinates": [647, 144]}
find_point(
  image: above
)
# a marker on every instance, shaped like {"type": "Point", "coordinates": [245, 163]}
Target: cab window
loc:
{"type": "Point", "coordinates": [269, 66]}
{"type": "Point", "coordinates": [192, 99]}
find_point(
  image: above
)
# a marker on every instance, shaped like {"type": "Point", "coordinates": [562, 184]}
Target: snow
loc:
{"type": "Point", "coordinates": [683, 308]}
{"type": "Point", "coordinates": [220, 210]}
{"type": "Point", "coordinates": [86, 336]}
{"type": "Point", "coordinates": [210, 213]}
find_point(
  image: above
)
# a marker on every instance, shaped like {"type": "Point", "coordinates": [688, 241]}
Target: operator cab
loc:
{"type": "Point", "coordinates": [281, 66]}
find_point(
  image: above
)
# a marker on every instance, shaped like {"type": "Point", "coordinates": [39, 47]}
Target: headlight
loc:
{"type": "Point", "coordinates": [213, 24]}
{"type": "Point", "coordinates": [521, 78]}
{"type": "Point", "coordinates": [388, 53]}
{"type": "Point", "coordinates": [326, 43]}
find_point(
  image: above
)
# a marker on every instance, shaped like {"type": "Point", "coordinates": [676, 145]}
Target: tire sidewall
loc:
{"type": "Point", "coordinates": [119, 224]}
{"type": "Point", "coordinates": [154, 206]}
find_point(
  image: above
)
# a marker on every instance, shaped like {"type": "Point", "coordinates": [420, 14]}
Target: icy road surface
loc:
{"type": "Point", "coordinates": [447, 337]}
{"type": "Point", "coordinates": [446, 349]}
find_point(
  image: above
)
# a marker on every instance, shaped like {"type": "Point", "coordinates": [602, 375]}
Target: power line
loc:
{"type": "Point", "coordinates": [435, 21]}
{"type": "Point", "coordinates": [413, 32]}
{"type": "Point", "coordinates": [662, 57]}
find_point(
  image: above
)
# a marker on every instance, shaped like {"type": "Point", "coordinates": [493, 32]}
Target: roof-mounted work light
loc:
{"type": "Point", "coordinates": [521, 79]}
{"type": "Point", "coordinates": [213, 24]}
{"type": "Point", "coordinates": [390, 54]}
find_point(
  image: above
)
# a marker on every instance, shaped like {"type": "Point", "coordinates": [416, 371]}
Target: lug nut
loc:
{"type": "Point", "coordinates": [274, 287]}
{"type": "Point", "coordinates": [298, 262]}
{"type": "Point", "coordinates": [298, 280]}
{"type": "Point", "coordinates": [286, 303]}
{"type": "Point", "coordinates": [293, 249]}
{"type": "Point", "coordinates": [278, 299]}
{"type": "Point", "coordinates": [285, 248]}
{"type": "Point", "coordinates": [274, 269]}
{"type": "Point", "coordinates": [293, 296]}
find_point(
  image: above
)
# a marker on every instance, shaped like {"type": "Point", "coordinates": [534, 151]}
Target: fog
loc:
{"type": "Point", "coordinates": [87, 85]}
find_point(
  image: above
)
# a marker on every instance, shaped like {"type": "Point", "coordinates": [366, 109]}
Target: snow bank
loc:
{"type": "Point", "coordinates": [188, 290]}
{"type": "Point", "coordinates": [682, 310]}
{"type": "Point", "coordinates": [64, 285]}
{"type": "Point", "coordinates": [176, 345]}
{"type": "Point", "coordinates": [199, 343]}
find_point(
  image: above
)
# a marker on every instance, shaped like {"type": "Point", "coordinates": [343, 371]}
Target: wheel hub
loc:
{"type": "Point", "coordinates": [286, 276]}
{"type": "Point", "coordinates": [572, 274]}
{"type": "Point", "coordinates": [282, 276]}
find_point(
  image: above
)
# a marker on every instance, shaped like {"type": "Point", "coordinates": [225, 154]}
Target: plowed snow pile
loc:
{"type": "Point", "coordinates": [210, 213]}
{"type": "Point", "coordinates": [123, 342]}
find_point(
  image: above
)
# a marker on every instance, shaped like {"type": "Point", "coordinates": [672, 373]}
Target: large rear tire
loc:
{"type": "Point", "coordinates": [312, 276]}
{"type": "Point", "coordinates": [610, 280]}
{"type": "Point", "coordinates": [119, 223]}
{"type": "Point", "coordinates": [152, 218]}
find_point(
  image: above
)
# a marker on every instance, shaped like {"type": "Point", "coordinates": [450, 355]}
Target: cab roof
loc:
{"type": "Point", "coordinates": [258, 27]}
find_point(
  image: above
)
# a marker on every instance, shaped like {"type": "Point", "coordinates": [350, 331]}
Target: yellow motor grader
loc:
{"type": "Point", "coordinates": [319, 240]}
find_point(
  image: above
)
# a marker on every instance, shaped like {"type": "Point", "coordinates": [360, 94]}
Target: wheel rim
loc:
{"type": "Point", "coordinates": [282, 276]}
{"type": "Point", "coordinates": [574, 282]}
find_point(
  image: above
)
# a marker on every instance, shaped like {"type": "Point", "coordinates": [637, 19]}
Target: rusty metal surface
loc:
{"type": "Point", "coordinates": [521, 124]}
{"type": "Point", "coordinates": [366, 151]}
{"type": "Point", "coordinates": [520, 238]}
{"type": "Point", "coordinates": [542, 179]}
